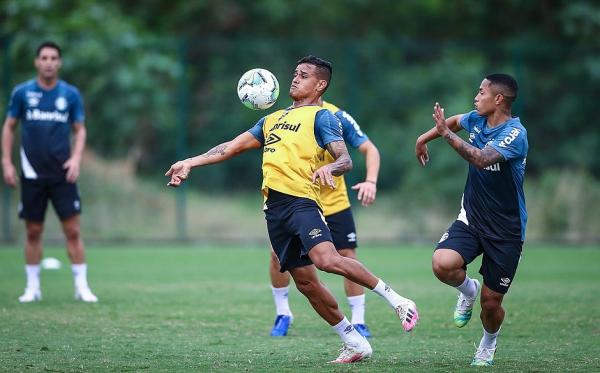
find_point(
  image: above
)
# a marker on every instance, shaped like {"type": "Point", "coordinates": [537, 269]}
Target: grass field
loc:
{"type": "Point", "coordinates": [182, 309]}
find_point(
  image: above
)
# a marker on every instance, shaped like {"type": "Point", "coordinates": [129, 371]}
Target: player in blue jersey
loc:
{"type": "Point", "coordinates": [294, 143]}
{"type": "Point", "coordinates": [339, 218]}
{"type": "Point", "coordinates": [50, 110]}
{"type": "Point", "coordinates": [493, 215]}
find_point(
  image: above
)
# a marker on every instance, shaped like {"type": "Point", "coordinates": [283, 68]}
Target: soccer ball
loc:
{"type": "Point", "coordinates": [258, 89]}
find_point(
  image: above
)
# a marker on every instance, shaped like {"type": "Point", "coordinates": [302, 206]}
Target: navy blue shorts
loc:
{"type": "Point", "coordinates": [295, 226]}
{"type": "Point", "coordinates": [343, 230]}
{"type": "Point", "coordinates": [500, 257]}
{"type": "Point", "coordinates": [36, 193]}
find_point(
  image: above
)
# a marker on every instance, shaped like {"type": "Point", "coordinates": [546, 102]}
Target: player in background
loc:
{"type": "Point", "coordinates": [338, 215]}
{"type": "Point", "coordinates": [493, 216]}
{"type": "Point", "coordinates": [294, 143]}
{"type": "Point", "coordinates": [49, 109]}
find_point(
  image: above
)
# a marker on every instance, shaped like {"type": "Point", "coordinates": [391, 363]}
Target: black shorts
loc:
{"type": "Point", "coordinates": [343, 230]}
{"type": "Point", "coordinates": [36, 193]}
{"type": "Point", "coordinates": [500, 257]}
{"type": "Point", "coordinates": [295, 226]}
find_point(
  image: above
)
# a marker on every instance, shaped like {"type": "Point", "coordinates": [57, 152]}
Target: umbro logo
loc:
{"type": "Point", "coordinates": [272, 139]}
{"type": "Point", "coordinates": [505, 281]}
{"type": "Point", "coordinates": [348, 329]}
{"type": "Point", "coordinates": [351, 237]}
{"type": "Point", "coordinates": [315, 233]}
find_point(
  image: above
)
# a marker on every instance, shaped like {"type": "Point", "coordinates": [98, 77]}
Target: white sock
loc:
{"type": "Point", "coordinates": [489, 339]}
{"type": "Point", "coordinates": [347, 332]}
{"type": "Point", "coordinates": [468, 287]}
{"type": "Point", "coordinates": [33, 276]}
{"type": "Point", "coordinates": [280, 297]}
{"type": "Point", "coordinates": [357, 305]}
{"type": "Point", "coordinates": [80, 275]}
{"type": "Point", "coordinates": [390, 295]}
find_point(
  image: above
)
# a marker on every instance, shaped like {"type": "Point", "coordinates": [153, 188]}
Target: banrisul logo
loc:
{"type": "Point", "coordinates": [286, 126]}
{"type": "Point", "coordinates": [49, 116]}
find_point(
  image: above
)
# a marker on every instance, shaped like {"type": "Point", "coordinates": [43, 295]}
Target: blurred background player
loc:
{"type": "Point", "coordinates": [493, 215]}
{"type": "Point", "coordinates": [50, 109]}
{"type": "Point", "coordinates": [338, 215]}
{"type": "Point", "coordinates": [294, 143]}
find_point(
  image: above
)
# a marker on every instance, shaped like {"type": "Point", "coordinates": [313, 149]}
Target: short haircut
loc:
{"type": "Point", "coordinates": [48, 44]}
{"type": "Point", "coordinates": [324, 69]}
{"type": "Point", "coordinates": [506, 86]}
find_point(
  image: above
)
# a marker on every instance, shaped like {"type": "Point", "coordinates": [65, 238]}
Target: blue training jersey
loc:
{"type": "Point", "coordinates": [327, 128]}
{"type": "Point", "coordinates": [353, 135]}
{"type": "Point", "coordinates": [47, 117]}
{"type": "Point", "coordinates": [493, 200]}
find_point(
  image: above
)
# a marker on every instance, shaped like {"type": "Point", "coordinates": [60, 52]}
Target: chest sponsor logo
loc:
{"type": "Point", "coordinates": [315, 233]}
{"type": "Point", "coordinates": [50, 116]}
{"type": "Point", "coordinates": [471, 136]}
{"type": "Point", "coordinates": [494, 167]}
{"type": "Point", "coordinates": [510, 138]}
{"type": "Point", "coordinates": [285, 126]}
{"type": "Point", "coordinates": [476, 129]}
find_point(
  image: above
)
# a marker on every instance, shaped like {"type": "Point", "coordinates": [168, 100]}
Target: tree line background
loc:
{"type": "Point", "coordinates": [159, 81]}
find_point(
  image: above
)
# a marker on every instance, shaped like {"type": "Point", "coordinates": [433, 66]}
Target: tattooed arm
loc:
{"type": "Point", "coordinates": [341, 165]}
{"type": "Point", "coordinates": [180, 170]}
{"type": "Point", "coordinates": [480, 158]}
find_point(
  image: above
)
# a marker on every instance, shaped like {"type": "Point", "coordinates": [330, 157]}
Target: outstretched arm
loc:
{"type": "Point", "coordinates": [367, 190]}
{"type": "Point", "coordinates": [453, 123]}
{"type": "Point", "coordinates": [480, 158]}
{"type": "Point", "coordinates": [180, 170]}
{"type": "Point", "coordinates": [341, 165]}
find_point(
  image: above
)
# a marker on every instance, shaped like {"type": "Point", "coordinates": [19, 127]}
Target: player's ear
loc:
{"type": "Point", "coordinates": [499, 99]}
{"type": "Point", "coordinates": [321, 85]}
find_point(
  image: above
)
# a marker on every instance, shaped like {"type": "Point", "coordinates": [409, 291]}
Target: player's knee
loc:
{"type": "Point", "coordinates": [34, 234]}
{"type": "Point", "coordinates": [306, 287]}
{"type": "Point", "coordinates": [72, 233]}
{"type": "Point", "coordinates": [490, 304]}
{"type": "Point", "coordinates": [440, 268]}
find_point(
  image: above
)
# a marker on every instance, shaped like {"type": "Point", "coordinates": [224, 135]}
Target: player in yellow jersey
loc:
{"type": "Point", "coordinates": [338, 215]}
{"type": "Point", "coordinates": [294, 143]}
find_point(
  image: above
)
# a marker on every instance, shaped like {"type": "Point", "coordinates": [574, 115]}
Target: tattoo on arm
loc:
{"type": "Point", "coordinates": [219, 149]}
{"type": "Point", "coordinates": [478, 157]}
{"type": "Point", "coordinates": [343, 162]}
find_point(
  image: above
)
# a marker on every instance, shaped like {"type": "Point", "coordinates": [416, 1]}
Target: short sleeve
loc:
{"type": "Point", "coordinates": [511, 143]}
{"type": "Point", "coordinates": [467, 120]}
{"type": "Point", "coordinates": [77, 111]}
{"type": "Point", "coordinates": [257, 131]}
{"type": "Point", "coordinates": [15, 104]}
{"type": "Point", "coordinates": [352, 133]}
{"type": "Point", "coordinates": [328, 128]}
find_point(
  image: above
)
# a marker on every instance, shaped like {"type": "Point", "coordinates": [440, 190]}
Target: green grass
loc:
{"type": "Point", "coordinates": [181, 309]}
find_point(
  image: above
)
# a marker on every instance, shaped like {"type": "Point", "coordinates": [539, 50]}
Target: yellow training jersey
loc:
{"type": "Point", "coordinates": [334, 200]}
{"type": "Point", "coordinates": [291, 152]}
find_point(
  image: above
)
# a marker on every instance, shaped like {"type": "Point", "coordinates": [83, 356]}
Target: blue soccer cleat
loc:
{"type": "Point", "coordinates": [281, 326]}
{"type": "Point", "coordinates": [363, 330]}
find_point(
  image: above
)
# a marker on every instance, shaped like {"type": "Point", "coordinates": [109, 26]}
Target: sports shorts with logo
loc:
{"type": "Point", "coordinates": [295, 226]}
{"type": "Point", "coordinates": [36, 193]}
{"type": "Point", "coordinates": [343, 230]}
{"type": "Point", "coordinates": [500, 257]}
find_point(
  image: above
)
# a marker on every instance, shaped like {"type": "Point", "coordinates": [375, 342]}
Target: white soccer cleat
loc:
{"type": "Point", "coordinates": [85, 295]}
{"type": "Point", "coordinates": [353, 353]}
{"type": "Point", "coordinates": [408, 314]}
{"type": "Point", "coordinates": [30, 295]}
{"type": "Point", "coordinates": [484, 357]}
{"type": "Point", "coordinates": [464, 307]}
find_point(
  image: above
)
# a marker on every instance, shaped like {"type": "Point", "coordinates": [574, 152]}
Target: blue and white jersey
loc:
{"type": "Point", "coordinates": [493, 200]}
{"type": "Point", "coordinates": [47, 117]}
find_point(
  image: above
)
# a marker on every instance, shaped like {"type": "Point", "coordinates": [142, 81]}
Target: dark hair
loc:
{"type": "Point", "coordinates": [506, 85]}
{"type": "Point", "coordinates": [324, 69]}
{"type": "Point", "coordinates": [48, 44]}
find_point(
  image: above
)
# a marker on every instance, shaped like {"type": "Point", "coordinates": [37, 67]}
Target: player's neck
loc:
{"type": "Point", "coordinates": [306, 101]}
{"type": "Point", "coordinates": [47, 84]}
{"type": "Point", "coordinates": [498, 117]}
